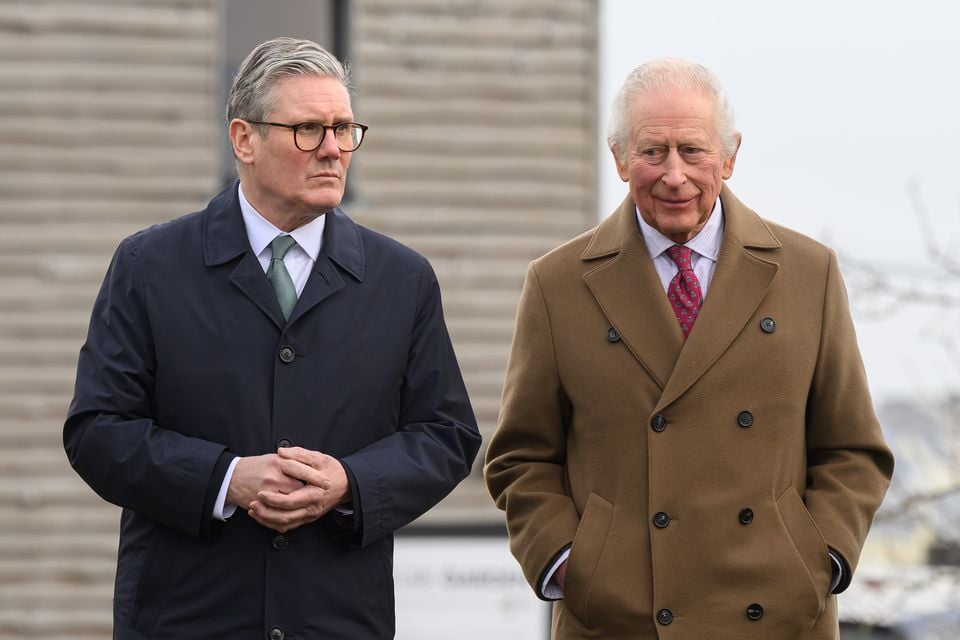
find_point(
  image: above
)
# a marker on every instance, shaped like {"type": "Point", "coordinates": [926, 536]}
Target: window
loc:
{"type": "Point", "coordinates": [247, 23]}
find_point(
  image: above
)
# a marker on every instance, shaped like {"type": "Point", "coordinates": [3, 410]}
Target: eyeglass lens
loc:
{"type": "Point", "coordinates": [309, 136]}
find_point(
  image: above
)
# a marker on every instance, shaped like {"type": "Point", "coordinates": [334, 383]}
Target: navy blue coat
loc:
{"type": "Point", "coordinates": [188, 362]}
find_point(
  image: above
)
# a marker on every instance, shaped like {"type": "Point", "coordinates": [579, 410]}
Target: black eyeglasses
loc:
{"type": "Point", "coordinates": [308, 136]}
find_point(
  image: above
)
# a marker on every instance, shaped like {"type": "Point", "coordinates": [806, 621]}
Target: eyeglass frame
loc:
{"type": "Point", "coordinates": [323, 136]}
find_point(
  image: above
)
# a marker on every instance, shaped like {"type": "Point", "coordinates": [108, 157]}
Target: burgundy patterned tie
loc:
{"type": "Point", "coordinates": [684, 290]}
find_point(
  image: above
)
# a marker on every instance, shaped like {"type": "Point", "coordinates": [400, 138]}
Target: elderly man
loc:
{"type": "Point", "coordinates": [687, 448]}
{"type": "Point", "coordinates": [267, 388]}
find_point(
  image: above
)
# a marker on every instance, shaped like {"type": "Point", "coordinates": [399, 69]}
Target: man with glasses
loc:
{"type": "Point", "coordinates": [267, 388]}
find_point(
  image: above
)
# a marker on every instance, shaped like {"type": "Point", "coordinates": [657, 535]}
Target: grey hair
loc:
{"type": "Point", "coordinates": [661, 75]}
{"type": "Point", "coordinates": [252, 94]}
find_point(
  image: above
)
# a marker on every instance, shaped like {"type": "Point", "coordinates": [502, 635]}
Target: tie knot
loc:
{"type": "Point", "coordinates": [280, 245]}
{"type": "Point", "coordinates": [680, 256]}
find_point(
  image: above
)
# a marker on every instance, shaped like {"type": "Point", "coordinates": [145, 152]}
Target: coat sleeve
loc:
{"type": "Point", "coordinates": [110, 435]}
{"type": "Point", "coordinates": [525, 467]}
{"type": "Point", "coordinates": [401, 476]}
{"type": "Point", "coordinates": [849, 465]}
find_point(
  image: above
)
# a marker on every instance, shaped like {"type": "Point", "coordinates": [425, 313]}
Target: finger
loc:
{"type": "Point", "coordinates": [282, 520]}
{"type": "Point", "coordinates": [304, 473]}
{"type": "Point", "coordinates": [259, 512]}
{"type": "Point", "coordinates": [306, 456]}
{"type": "Point", "coordinates": [307, 496]}
{"type": "Point", "coordinates": [277, 501]}
{"type": "Point", "coordinates": [290, 485]}
{"type": "Point", "coordinates": [269, 523]}
{"type": "Point", "coordinates": [279, 480]}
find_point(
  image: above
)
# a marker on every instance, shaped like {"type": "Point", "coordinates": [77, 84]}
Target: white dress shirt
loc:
{"type": "Point", "coordinates": [299, 261]}
{"type": "Point", "coordinates": [705, 247]}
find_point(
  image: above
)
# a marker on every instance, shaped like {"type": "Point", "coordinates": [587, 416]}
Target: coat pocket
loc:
{"type": "Point", "coordinates": [809, 544]}
{"type": "Point", "coordinates": [585, 554]}
{"type": "Point", "coordinates": [153, 586]}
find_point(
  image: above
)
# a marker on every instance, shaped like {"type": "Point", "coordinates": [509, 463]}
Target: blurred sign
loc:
{"type": "Point", "coordinates": [463, 586]}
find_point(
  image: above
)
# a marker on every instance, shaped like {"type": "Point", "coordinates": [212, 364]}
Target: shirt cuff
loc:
{"type": "Point", "coordinates": [345, 518]}
{"type": "Point", "coordinates": [837, 573]}
{"type": "Point", "coordinates": [549, 588]}
{"type": "Point", "coordinates": [221, 510]}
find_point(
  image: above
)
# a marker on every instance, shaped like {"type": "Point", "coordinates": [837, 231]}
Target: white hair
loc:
{"type": "Point", "coordinates": [664, 74]}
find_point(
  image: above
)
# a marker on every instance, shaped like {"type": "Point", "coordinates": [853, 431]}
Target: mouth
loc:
{"type": "Point", "coordinates": [326, 175]}
{"type": "Point", "coordinates": [677, 203]}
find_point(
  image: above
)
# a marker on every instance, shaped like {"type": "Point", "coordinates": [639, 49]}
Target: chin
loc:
{"type": "Point", "coordinates": [680, 224]}
{"type": "Point", "coordinates": [325, 203]}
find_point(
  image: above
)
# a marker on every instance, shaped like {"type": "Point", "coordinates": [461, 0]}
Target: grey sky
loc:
{"type": "Point", "coordinates": [841, 104]}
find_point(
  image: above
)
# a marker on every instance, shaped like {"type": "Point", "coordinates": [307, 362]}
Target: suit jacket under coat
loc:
{"type": "Point", "coordinates": [609, 417]}
{"type": "Point", "coordinates": [188, 362]}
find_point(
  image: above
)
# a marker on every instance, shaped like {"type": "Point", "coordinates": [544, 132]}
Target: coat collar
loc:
{"type": "Point", "coordinates": [621, 227]}
{"type": "Point", "coordinates": [225, 239]}
{"type": "Point", "coordinates": [629, 292]}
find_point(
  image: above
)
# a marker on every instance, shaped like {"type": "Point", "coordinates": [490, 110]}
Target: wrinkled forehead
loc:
{"type": "Point", "coordinates": [694, 113]}
{"type": "Point", "coordinates": [311, 90]}
{"type": "Point", "coordinates": [674, 135]}
{"type": "Point", "coordinates": [674, 103]}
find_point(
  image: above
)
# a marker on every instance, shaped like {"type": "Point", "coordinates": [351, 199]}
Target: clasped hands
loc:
{"type": "Point", "coordinates": [288, 489]}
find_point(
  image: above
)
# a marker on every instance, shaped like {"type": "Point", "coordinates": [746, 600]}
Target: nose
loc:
{"type": "Point", "coordinates": [674, 173]}
{"type": "Point", "coordinates": [328, 148]}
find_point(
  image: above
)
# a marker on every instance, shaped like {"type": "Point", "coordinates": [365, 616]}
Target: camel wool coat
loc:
{"type": "Point", "coordinates": [700, 482]}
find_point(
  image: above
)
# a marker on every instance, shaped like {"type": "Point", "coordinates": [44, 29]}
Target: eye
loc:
{"type": "Point", "coordinates": [690, 150]}
{"type": "Point", "coordinates": [309, 128]}
{"type": "Point", "coordinates": [652, 153]}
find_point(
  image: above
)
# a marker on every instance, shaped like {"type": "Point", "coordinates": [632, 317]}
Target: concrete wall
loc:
{"type": "Point", "coordinates": [481, 156]}
{"type": "Point", "coordinates": [105, 127]}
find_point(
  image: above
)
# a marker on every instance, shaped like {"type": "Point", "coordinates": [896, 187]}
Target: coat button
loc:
{"type": "Point", "coordinates": [746, 516]}
{"type": "Point", "coordinates": [768, 325]}
{"type": "Point", "coordinates": [280, 542]}
{"type": "Point", "coordinates": [754, 611]}
{"type": "Point", "coordinates": [284, 442]}
{"type": "Point", "coordinates": [745, 419]}
{"type": "Point", "coordinates": [661, 520]}
{"type": "Point", "coordinates": [664, 616]}
{"type": "Point", "coordinates": [287, 354]}
{"type": "Point", "coordinates": [658, 423]}
{"type": "Point", "coordinates": [613, 335]}
{"type": "Point", "coordinates": [275, 633]}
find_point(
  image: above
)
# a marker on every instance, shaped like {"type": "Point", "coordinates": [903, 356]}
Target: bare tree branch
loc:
{"type": "Point", "coordinates": [909, 505]}
{"type": "Point", "coordinates": [928, 231]}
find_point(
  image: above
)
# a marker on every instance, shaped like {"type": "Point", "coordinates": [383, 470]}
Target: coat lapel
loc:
{"type": "Point", "coordinates": [343, 247]}
{"type": "Point", "coordinates": [742, 278]}
{"type": "Point", "coordinates": [224, 239]}
{"type": "Point", "coordinates": [629, 292]}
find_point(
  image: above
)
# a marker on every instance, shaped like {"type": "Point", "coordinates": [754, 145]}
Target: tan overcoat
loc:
{"type": "Point", "coordinates": [700, 482]}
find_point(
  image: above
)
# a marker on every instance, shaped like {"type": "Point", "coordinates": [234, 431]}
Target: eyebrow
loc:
{"type": "Point", "coordinates": [680, 136]}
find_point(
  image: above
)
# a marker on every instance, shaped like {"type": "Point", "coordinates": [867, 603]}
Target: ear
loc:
{"type": "Point", "coordinates": [243, 139]}
{"type": "Point", "coordinates": [621, 166]}
{"type": "Point", "coordinates": [729, 163]}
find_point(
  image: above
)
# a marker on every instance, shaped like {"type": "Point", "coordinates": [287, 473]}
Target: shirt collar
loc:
{"type": "Point", "coordinates": [261, 232]}
{"type": "Point", "coordinates": [706, 243]}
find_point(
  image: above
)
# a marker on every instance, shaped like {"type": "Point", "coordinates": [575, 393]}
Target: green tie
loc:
{"type": "Point", "coordinates": [278, 275]}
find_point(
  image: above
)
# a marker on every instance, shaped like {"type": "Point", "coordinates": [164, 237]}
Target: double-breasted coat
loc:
{"type": "Point", "coordinates": [189, 362]}
{"type": "Point", "coordinates": [700, 482]}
